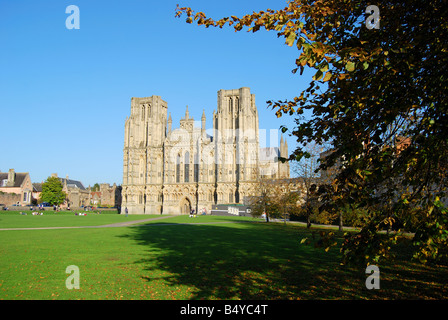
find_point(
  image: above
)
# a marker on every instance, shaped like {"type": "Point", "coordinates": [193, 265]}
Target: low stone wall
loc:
{"type": "Point", "coordinates": [9, 199]}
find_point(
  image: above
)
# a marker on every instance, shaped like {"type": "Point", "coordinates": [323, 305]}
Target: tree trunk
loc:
{"type": "Point", "coordinates": [341, 224]}
{"type": "Point", "coordinates": [309, 211]}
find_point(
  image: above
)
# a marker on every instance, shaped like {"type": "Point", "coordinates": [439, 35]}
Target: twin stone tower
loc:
{"type": "Point", "coordinates": [172, 171]}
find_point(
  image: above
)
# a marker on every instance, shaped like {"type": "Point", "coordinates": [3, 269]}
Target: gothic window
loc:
{"type": "Point", "coordinates": [230, 197]}
{"type": "Point", "coordinates": [143, 112]}
{"type": "Point", "coordinates": [178, 169]}
{"type": "Point", "coordinates": [230, 106]}
{"type": "Point", "coordinates": [196, 168]}
{"type": "Point", "coordinates": [142, 170]}
{"type": "Point", "coordinates": [187, 167]}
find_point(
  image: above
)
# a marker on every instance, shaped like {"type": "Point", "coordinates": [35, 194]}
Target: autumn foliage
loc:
{"type": "Point", "coordinates": [371, 90]}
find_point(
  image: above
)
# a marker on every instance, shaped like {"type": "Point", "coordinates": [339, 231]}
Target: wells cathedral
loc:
{"type": "Point", "coordinates": [173, 171]}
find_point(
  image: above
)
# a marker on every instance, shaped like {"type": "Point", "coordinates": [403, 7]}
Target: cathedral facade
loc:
{"type": "Point", "coordinates": [173, 171]}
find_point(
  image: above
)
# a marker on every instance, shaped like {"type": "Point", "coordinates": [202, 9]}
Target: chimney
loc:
{"type": "Point", "coordinates": [11, 178]}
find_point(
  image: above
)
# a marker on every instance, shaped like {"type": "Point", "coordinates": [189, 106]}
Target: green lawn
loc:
{"type": "Point", "coordinates": [13, 219]}
{"type": "Point", "coordinates": [181, 258]}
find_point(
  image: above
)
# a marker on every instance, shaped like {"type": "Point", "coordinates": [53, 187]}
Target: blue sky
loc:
{"type": "Point", "coordinates": [65, 94]}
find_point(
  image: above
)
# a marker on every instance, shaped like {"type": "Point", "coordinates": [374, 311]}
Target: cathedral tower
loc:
{"type": "Point", "coordinates": [145, 133]}
{"type": "Point", "coordinates": [174, 170]}
{"type": "Point", "coordinates": [236, 138]}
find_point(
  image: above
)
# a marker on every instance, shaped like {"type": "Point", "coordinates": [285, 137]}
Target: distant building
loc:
{"type": "Point", "coordinates": [269, 163]}
{"type": "Point", "coordinates": [77, 194]}
{"type": "Point", "coordinates": [15, 188]}
{"type": "Point", "coordinates": [106, 196]}
{"type": "Point", "coordinates": [37, 190]}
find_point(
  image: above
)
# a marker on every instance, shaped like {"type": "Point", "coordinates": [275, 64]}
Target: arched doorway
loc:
{"type": "Point", "coordinates": [185, 206]}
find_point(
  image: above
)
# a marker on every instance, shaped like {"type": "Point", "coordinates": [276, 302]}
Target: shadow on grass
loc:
{"type": "Point", "coordinates": [265, 261]}
{"type": "Point", "coordinates": [239, 261]}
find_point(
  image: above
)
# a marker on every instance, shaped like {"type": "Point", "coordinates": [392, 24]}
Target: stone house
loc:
{"type": "Point", "coordinates": [15, 188]}
{"type": "Point", "coordinates": [77, 194]}
{"type": "Point", "coordinates": [106, 196]}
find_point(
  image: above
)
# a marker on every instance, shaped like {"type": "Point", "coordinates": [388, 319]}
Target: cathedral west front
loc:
{"type": "Point", "coordinates": [172, 171]}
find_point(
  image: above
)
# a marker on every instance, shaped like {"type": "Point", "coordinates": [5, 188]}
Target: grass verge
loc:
{"type": "Point", "coordinates": [181, 258]}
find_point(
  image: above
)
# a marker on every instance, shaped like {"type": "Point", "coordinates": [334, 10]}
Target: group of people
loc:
{"type": "Point", "coordinates": [193, 212]}
{"type": "Point", "coordinates": [34, 213]}
{"type": "Point", "coordinates": [42, 207]}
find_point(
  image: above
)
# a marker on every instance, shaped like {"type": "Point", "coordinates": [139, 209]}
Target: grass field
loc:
{"type": "Point", "coordinates": [190, 258]}
{"type": "Point", "coordinates": [13, 219]}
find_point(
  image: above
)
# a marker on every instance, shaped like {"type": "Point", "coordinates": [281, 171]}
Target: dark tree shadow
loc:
{"type": "Point", "coordinates": [253, 261]}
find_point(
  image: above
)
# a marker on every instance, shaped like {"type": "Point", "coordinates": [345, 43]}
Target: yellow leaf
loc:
{"type": "Point", "coordinates": [327, 76]}
{"type": "Point", "coordinates": [350, 66]}
{"type": "Point", "coordinates": [318, 75]}
{"type": "Point", "coordinates": [290, 39]}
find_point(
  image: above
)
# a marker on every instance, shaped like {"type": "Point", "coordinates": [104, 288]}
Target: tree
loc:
{"type": "Point", "coordinates": [274, 197]}
{"type": "Point", "coordinates": [261, 202]}
{"type": "Point", "coordinates": [285, 197]}
{"type": "Point", "coordinates": [306, 170]}
{"type": "Point", "coordinates": [372, 88]}
{"type": "Point", "coordinates": [52, 191]}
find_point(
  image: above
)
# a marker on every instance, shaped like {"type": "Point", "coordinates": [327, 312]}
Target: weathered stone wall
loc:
{"type": "Point", "coordinates": [9, 198]}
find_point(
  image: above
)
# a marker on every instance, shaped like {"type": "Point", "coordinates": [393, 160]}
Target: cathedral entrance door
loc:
{"type": "Point", "coordinates": [185, 206]}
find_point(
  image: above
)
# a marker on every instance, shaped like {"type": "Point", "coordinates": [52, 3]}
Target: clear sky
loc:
{"type": "Point", "coordinates": [65, 94]}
